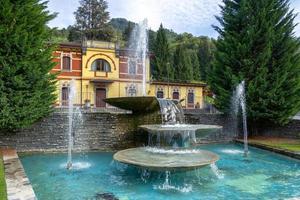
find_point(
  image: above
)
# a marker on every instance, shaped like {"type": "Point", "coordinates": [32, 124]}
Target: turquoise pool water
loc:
{"type": "Point", "coordinates": [263, 175]}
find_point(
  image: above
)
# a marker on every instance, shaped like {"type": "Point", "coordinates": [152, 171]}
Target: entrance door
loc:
{"type": "Point", "coordinates": [100, 95]}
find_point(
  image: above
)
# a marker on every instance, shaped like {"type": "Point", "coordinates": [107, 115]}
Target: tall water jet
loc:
{"type": "Point", "coordinates": [74, 119]}
{"type": "Point", "coordinates": [139, 45]}
{"type": "Point", "coordinates": [239, 101]}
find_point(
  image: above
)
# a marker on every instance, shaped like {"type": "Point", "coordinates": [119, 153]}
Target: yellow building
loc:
{"type": "Point", "coordinates": [99, 70]}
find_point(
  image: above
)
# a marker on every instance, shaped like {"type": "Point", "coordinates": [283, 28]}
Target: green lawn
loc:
{"type": "Point", "coordinates": [2, 180]}
{"type": "Point", "coordinates": [279, 143]}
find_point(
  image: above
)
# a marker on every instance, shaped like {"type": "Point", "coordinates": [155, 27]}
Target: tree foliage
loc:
{"type": "Point", "coordinates": [26, 86]}
{"type": "Point", "coordinates": [161, 66]}
{"type": "Point", "coordinates": [92, 19]}
{"type": "Point", "coordinates": [257, 44]}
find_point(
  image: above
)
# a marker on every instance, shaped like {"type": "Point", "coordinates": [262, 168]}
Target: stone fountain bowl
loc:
{"type": "Point", "coordinates": [139, 104]}
{"type": "Point", "coordinates": [201, 130]}
{"type": "Point", "coordinates": [166, 159]}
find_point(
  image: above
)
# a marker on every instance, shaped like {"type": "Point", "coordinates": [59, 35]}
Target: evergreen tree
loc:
{"type": "Point", "coordinates": [127, 32]}
{"type": "Point", "coordinates": [75, 34]}
{"type": "Point", "coordinates": [161, 66]}
{"type": "Point", "coordinates": [195, 65]}
{"type": "Point", "coordinates": [26, 86]}
{"type": "Point", "coordinates": [92, 19]}
{"type": "Point", "coordinates": [182, 65]}
{"type": "Point", "coordinates": [257, 44]}
{"type": "Point", "coordinates": [205, 56]}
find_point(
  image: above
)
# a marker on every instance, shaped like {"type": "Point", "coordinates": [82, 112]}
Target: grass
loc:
{"type": "Point", "coordinates": [2, 180]}
{"type": "Point", "coordinates": [279, 143]}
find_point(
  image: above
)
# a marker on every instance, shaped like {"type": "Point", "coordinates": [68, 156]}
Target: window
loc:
{"type": "Point", "coordinates": [132, 66]}
{"type": "Point", "coordinates": [131, 91]}
{"type": "Point", "coordinates": [176, 95]}
{"type": "Point", "coordinates": [101, 65]}
{"type": "Point", "coordinates": [65, 96]}
{"type": "Point", "coordinates": [160, 94]}
{"type": "Point", "coordinates": [190, 98]}
{"type": "Point", "coordinates": [66, 63]}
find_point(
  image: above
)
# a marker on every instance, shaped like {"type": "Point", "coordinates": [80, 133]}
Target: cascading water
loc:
{"type": "Point", "coordinates": [239, 102]}
{"type": "Point", "coordinates": [170, 112]}
{"type": "Point", "coordinates": [139, 45]}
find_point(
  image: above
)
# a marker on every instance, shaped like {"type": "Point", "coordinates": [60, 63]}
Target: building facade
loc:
{"type": "Point", "coordinates": [95, 70]}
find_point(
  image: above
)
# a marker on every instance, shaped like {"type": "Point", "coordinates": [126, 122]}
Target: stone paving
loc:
{"type": "Point", "coordinates": [17, 183]}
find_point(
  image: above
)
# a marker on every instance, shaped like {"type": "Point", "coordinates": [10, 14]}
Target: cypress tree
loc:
{"type": "Point", "coordinates": [26, 86]}
{"type": "Point", "coordinates": [205, 56]}
{"type": "Point", "coordinates": [257, 44]}
{"type": "Point", "coordinates": [161, 62]}
{"type": "Point", "coordinates": [182, 65]}
{"type": "Point", "coordinates": [195, 65]}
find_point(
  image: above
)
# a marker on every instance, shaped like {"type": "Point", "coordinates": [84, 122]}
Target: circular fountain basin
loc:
{"type": "Point", "coordinates": [166, 159]}
{"type": "Point", "coordinates": [200, 129]}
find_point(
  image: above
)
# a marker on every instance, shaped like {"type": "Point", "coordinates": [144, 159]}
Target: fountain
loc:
{"type": "Point", "coordinates": [138, 43]}
{"type": "Point", "coordinates": [170, 143]}
{"type": "Point", "coordinates": [74, 118]}
{"type": "Point", "coordinates": [239, 101]}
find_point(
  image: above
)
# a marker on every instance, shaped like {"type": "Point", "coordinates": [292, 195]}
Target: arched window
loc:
{"type": "Point", "coordinates": [66, 63]}
{"type": "Point", "coordinates": [131, 91]}
{"type": "Point", "coordinates": [190, 98]}
{"type": "Point", "coordinates": [160, 94]}
{"type": "Point", "coordinates": [101, 65]}
{"type": "Point", "coordinates": [132, 66]}
{"type": "Point", "coordinates": [176, 95]}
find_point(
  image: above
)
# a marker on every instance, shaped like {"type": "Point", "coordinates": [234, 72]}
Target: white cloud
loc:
{"type": "Point", "coordinates": [182, 16]}
{"type": "Point", "coordinates": [194, 16]}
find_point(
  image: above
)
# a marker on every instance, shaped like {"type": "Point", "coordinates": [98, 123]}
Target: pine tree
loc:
{"type": "Point", "coordinates": [92, 19]}
{"type": "Point", "coordinates": [257, 44]}
{"type": "Point", "coordinates": [161, 66]}
{"type": "Point", "coordinates": [26, 86]}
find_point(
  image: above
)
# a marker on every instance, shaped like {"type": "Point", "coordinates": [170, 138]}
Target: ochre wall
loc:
{"type": "Point", "coordinates": [115, 82]}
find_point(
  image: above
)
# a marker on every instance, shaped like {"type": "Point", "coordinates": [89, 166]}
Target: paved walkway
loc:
{"type": "Point", "coordinates": [17, 183]}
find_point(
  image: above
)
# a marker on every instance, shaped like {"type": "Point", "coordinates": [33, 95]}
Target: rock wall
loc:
{"type": "Point", "coordinates": [98, 131]}
{"type": "Point", "coordinates": [114, 131]}
{"type": "Point", "coordinates": [291, 130]}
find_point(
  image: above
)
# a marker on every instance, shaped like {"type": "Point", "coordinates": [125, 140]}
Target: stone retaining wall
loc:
{"type": "Point", "coordinates": [98, 131]}
{"type": "Point", "coordinates": [114, 131]}
{"type": "Point", "coordinates": [291, 130]}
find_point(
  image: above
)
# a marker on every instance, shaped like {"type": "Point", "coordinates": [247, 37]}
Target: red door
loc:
{"type": "Point", "coordinates": [100, 95]}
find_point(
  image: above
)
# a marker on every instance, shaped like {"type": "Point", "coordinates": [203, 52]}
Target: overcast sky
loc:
{"type": "Point", "coordinates": [193, 16]}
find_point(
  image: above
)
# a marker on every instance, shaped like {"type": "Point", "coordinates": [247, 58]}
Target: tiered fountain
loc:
{"type": "Point", "coordinates": [170, 144]}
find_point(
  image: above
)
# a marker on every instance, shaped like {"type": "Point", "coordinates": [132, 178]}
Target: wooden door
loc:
{"type": "Point", "coordinates": [100, 95]}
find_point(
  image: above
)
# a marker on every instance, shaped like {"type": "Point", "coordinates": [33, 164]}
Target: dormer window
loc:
{"type": "Point", "coordinates": [101, 65]}
{"type": "Point", "coordinates": [66, 63]}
